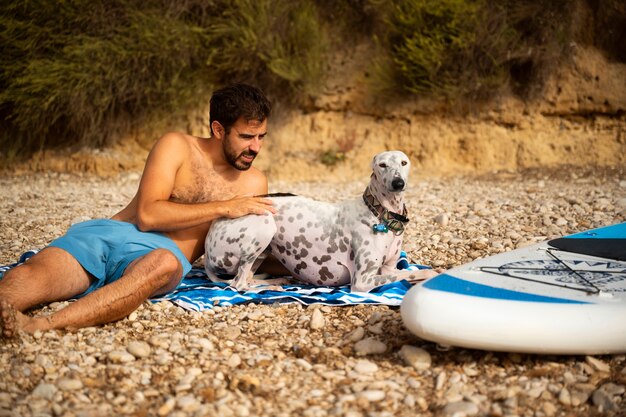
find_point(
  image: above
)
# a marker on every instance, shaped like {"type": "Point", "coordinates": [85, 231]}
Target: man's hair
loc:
{"type": "Point", "coordinates": [230, 103]}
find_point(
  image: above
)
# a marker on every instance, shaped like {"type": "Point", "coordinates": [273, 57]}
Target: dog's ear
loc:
{"type": "Point", "coordinates": [373, 164]}
{"type": "Point", "coordinates": [375, 161]}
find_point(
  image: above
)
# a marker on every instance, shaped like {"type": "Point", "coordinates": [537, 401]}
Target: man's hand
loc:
{"type": "Point", "coordinates": [242, 206]}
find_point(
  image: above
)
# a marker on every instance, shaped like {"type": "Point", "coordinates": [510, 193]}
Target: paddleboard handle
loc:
{"type": "Point", "coordinates": [604, 294]}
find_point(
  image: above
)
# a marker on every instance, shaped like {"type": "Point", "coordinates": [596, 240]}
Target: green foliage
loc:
{"type": "Point", "coordinates": [83, 72]}
{"type": "Point", "coordinates": [450, 47]}
{"type": "Point", "coordinates": [78, 72]}
{"type": "Point", "coordinates": [545, 33]}
{"type": "Point", "coordinates": [278, 42]}
{"type": "Point", "coordinates": [331, 157]}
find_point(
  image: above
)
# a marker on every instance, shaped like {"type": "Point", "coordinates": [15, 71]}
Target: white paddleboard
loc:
{"type": "Point", "coordinates": [564, 296]}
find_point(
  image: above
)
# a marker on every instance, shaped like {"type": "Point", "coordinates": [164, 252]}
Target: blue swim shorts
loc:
{"type": "Point", "coordinates": [106, 247]}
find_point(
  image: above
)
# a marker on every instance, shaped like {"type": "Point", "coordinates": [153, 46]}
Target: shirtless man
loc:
{"type": "Point", "coordinates": [114, 265]}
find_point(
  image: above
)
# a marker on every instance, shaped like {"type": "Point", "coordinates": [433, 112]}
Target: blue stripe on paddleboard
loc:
{"type": "Point", "coordinates": [616, 231]}
{"type": "Point", "coordinates": [448, 283]}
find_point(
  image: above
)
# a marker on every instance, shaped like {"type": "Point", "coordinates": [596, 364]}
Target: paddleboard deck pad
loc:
{"type": "Point", "coordinates": [563, 296]}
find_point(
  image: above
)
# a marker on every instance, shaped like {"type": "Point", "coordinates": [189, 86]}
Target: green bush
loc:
{"type": "Point", "coordinates": [78, 72]}
{"type": "Point", "coordinates": [279, 43]}
{"type": "Point", "coordinates": [545, 33]}
{"type": "Point", "coordinates": [449, 47]}
{"type": "Point", "coordinates": [81, 72]}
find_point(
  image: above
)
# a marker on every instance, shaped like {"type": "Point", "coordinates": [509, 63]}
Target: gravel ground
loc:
{"type": "Point", "coordinates": [285, 360]}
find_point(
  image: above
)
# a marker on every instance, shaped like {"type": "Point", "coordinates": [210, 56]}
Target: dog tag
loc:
{"type": "Point", "coordinates": [380, 228]}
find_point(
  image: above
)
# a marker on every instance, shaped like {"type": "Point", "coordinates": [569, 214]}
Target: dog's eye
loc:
{"type": "Point", "coordinates": [382, 165]}
{"type": "Point", "coordinates": [404, 163]}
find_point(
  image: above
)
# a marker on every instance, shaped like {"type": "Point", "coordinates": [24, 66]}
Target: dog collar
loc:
{"type": "Point", "coordinates": [389, 220]}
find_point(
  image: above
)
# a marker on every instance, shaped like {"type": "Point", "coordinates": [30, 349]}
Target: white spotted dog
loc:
{"type": "Point", "coordinates": [354, 242]}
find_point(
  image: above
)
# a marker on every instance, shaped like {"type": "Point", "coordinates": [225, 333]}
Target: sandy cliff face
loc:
{"type": "Point", "coordinates": [579, 119]}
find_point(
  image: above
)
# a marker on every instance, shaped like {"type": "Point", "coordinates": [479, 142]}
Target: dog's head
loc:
{"type": "Point", "coordinates": [391, 169]}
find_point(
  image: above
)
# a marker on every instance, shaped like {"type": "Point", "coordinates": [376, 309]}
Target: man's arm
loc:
{"type": "Point", "coordinates": [154, 210]}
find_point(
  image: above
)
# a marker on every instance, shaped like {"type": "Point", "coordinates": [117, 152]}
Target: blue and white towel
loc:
{"type": "Point", "coordinates": [197, 293]}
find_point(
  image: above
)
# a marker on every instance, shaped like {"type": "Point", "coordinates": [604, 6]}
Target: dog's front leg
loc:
{"type": "Point", "coordinates": [411, 276]}
{"type": "Point", "coordinates": [365, 283]}
{"type": "Point", "coordinates": [365, 279]}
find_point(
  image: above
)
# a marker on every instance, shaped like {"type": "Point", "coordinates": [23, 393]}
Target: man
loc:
{"type": "Point", "coordinates": [114, 265]}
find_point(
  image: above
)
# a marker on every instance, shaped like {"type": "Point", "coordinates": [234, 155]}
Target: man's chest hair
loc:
{"type": "Point", "coordinates": [201, 184]}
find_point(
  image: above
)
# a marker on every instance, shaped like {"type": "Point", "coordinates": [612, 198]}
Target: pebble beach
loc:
{"type": "Point", "coordinates": [315, 361]}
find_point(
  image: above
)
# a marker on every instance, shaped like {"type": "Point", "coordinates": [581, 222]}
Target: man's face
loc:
{"type": "Point", "coordinates": [244, 141]}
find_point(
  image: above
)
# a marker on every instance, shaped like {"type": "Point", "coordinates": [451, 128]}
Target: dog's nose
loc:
{"type": "Point", "coordinates": [397, 183]}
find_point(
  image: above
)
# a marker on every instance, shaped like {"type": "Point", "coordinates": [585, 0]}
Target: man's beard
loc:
{"type": "Point", "coordinates": [235, 160]}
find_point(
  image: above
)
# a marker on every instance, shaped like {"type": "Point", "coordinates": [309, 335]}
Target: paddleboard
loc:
{"type": "Point", "coordinates": [563, 296]}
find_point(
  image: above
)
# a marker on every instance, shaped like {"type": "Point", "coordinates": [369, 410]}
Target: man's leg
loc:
{"type": "Point", "coordinates": [155, 273]}
{"type": "Point", "coordinates": [50, 275]}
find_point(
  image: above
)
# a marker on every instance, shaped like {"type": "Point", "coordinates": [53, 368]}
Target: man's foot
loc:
{"type": "Point", "coordinates": [13, 321]}
{"type": "Point", "coordinates": [8, 320]}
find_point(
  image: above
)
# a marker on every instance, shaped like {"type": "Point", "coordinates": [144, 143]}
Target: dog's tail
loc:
{"type": "Point", "coordinates": [277, 195]}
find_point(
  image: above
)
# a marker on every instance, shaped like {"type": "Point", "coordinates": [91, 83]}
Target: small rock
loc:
{"type": "Point", "coordinates": [43, 361]}
{"type": "Point", "coordinates": [68, 384]}
{"type": "Point", "coordinates": [357, 334]}
{"type": "Point", "coordinates": [441, 219]}
{"type": "Point", "coordinates": [603, 400]}
{"type": "Point", "coordinates": [479, 244]}
{"type": "Point", "coordinates": [44, 390]}
{"type": "Point", "coordinates": [415, 357]}
{"type": "Point", "coordinates": [118, 356]}
{"type": "Point", "coordinates": [369, 346]}
{"type": "Point", "coordinates": [188, 403]}
{"type": "Point", "coordinates": [460, 408]}
{"type": "Point", "coordinates": [372, 395]}
{"type": "Point", "coordinates": [242, 411]}
{"type": "Point", "coordinates": [376, 328]}
{"type": "Point", "coordinates": [138, 349]}
{"type": "Point", "coordinates": [232, 332]}
{"type": "Point", "coordinates": [613, 389]}
{"type": "Point", "coordinates": [365, 367]}
{"type": "Point", "coordinates": [597, 364]}
{"type": "Point", "coordinates": [163, 358]}
{"type": "Point", "coordinates": [564, 397]}
{"type": "Point", "coordinates": [304, 364]}
{"type": "Point", "coordinates": [234, 360]}
{"type": "Point", "coordinates": [549, 409]}
{"type": "Point", "coordinates": [205, 344]}
{"type": "Point", "coordinates": [375, 317]}
{"type": "Point", "coordinates": [422, 403]}
{"type": "Point", "coordinates": [317, 320]}
{"type": "Point", "coordinates": [181, 387]}
{"type": "Point", "coordinates": [167, 408]}
{"type": "Point", "coordinates": [442, 377]}
{"type": "Point", "coordinates": [256, 315]}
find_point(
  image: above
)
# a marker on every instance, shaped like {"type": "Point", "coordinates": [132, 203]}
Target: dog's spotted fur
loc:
{"type": "Point", "coordinates": [320, 243]}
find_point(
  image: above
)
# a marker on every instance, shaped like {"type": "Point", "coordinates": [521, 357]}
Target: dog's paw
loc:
{"type": "Point", "coordinates": [423, 274]}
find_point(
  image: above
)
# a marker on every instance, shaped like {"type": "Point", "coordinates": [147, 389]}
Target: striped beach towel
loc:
{"type": "Point", "coordinates": [197, 293]}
